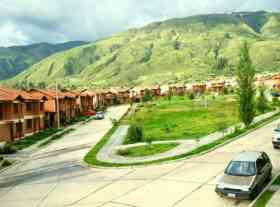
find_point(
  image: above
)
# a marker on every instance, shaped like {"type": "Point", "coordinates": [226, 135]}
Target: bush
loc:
{"type": "Point", "coordinates": [8, 149]}
{"type": "Point", "coordinates": [115, 122]}
{"type": "Point", "coordinates": [123, 152]}
{"type": "Point", "coordinates": [135, 134]}
{"type": "Point", "coordinates": [147, 96]}
{"type": "Point", "coordinates": [262, 103]}
{"type": "Point", "coordinates": [6, 163]}
{"type": "Point", "coordinates": [1, 158]}
{"type": "Point", "coordinates": [191, 96]}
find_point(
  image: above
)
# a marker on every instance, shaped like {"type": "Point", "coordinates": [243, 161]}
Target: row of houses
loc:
{"type": "Point", "coordinates": [23, 113]}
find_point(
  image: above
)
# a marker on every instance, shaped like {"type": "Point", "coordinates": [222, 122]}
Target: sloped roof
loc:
{"type": "Point", "coordinates": [51, 94]}
{"type": "Point", "coordinates": [9, 94]}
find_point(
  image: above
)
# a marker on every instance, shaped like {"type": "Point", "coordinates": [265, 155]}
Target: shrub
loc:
{"type": "Point", "coordinates": [1, 158]}
{"type": "Point", "coordinates": [147, 96]}
{"type": "Point", "coordinates": [262, 103]}
{"type": "Point", "coordinates": [135, 134]}
{"type": "Point", "coordinates": [8, 149]}
{"type": "Point", "coordinates": [149, 140]}
{"type": "Point", "coordinates": [191, 96]}
{"type": "Point", "coordinates": [123, 152]}
{"type": "Point", "coordinates": [115, 122]}
{"type": "Point", "coordinates": [6, 163]}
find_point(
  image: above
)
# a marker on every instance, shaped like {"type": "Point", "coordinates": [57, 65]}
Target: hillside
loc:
{"type": "Point", "coordinates": [175, 50]}
{"type": "Point", "coordinates": [14, 60]}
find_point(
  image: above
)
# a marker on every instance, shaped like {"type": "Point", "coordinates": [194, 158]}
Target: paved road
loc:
{"type": "Point", "coordinates": [55, 177]}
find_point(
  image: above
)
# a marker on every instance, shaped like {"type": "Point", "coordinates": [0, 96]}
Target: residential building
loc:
{"type": "Point", "coordinates": [21, 114]}
{"type": "Point", "coordinates": [67, 105]}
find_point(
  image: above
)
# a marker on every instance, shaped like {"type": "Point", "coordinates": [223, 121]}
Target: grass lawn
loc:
{"type": "Point", "coordinates": [182, 118]}
{"type": "Point", "coordinates": [146, 150]}
{"type": "Point", "coordinates": [263, 200]}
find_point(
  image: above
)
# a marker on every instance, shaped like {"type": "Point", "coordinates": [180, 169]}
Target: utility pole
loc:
{"type": "Point", "coordinates": [57, 105]}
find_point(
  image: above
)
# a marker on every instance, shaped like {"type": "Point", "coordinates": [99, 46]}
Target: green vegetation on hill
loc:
{"type": "Point", "coordinates": [14, 60]}
{"type": "Point", "coordinates": [175, 50]}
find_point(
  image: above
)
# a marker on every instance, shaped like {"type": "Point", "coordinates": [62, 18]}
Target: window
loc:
{"type": "Point", "coordinates": [16, 108]}
{"type": "Point", "coordinates": [29, 124]}
{"type": "Point", "coordinates": [239, 168]}
{"type": "Point", "coordinates": [41, 106]}
{"type": "Point", "coordinates": [1, 111]}
{"type": "Point", "coordinates": [29, 107]}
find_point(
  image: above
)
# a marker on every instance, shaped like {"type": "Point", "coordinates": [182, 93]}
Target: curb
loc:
{"type": "Point", "coordinates": [265, 189]}
{"type": "Point", "coordinates": [136, 165]}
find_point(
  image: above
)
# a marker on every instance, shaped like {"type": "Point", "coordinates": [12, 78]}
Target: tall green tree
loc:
{"type": "Point", "coordinates": [262, 103]}
{"type": "Point", "coordinates": [246, 90]}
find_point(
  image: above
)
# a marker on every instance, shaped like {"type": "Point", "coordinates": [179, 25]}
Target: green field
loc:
{"type": "Point", "coordinates": [146, 150]}
{"type": "Point", "coordinates": [185, 119]}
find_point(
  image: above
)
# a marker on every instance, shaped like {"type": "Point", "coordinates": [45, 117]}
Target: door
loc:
{"type": "Point", "coordinates": [19, 130]}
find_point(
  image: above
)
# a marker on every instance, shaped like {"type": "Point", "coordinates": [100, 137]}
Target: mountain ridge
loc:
{"type": "Point", "coordinates": [178, 49]}
{"type": "Point", "coordinates": [15, 59]}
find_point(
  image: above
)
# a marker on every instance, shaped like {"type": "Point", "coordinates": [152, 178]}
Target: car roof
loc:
{"type": "Point", "coordinates": [248, 156]}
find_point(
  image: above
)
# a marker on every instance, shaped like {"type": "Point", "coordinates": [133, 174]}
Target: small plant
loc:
{"type": "Point", "coordinates": [115, 122]}
{"type": "Point", "coordinates": [147, 96]}
{"type": "Point", "coordinates": [123, 152]}
{"type": "Point", "coordinates": [1, 158]}
{"type": "Point", "coordinates": [6, 163]}
{"type": "Point", "coordinates": [262, 103]}
{"type": "Point", "coordinates": [8, 148]}
{"type": "Point", "coordinates": [149, 141]}
{"type": "Point", "coordinates": [191, 96]}
{"type": "Point", "coordinates": [167, 128]}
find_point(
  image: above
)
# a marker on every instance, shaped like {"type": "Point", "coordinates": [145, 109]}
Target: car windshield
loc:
{"type": "Point", "coordinates": [241, 168]}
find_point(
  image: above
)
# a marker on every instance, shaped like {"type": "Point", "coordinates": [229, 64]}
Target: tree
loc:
{"type": "Point", "coordinates": [246, 89]}
{"type": "Point", "coordinates": [135, 134]}
{"type": "Point", "coordinates": [147, 96]}
{"type": "Point", "coordinates": [262, 101]}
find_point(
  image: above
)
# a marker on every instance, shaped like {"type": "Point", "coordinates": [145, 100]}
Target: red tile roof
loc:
{"type": "Point", "coordinates": [9, 94]}
{"type": "Point", "coordinates": [51, 94]}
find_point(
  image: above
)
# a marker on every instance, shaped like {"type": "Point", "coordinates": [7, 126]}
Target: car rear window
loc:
{"type": "Point", "coordinates": [240, 168]}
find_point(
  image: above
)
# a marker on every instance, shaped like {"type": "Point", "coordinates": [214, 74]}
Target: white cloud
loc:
{"type": "Point", "coordinates": [9, 35]}
{"type": "Point", "coordinates": [62, 20]}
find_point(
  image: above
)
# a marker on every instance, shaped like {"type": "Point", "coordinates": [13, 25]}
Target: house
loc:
{"type": "Point", "coordinates": [177, 89]}
{"type": "Point", "coordinates": [106, 97]}
{"type": "Point", "coordinates": [138, 93]}
{"type": "Point", "coordinates": [155, 91]}
{"type": "Point", "coordinates": [217, 87]}
{"type": "Point", "coordinates": [199, 88]}
{"type": "Point", "coordinates": [67, 105]}
{"type": "Point", "coordinates": [21, 114]}
{"type": "Point", "coordinates": [89, 101]}
{"type": "Point", "coordinates": [122, 95]}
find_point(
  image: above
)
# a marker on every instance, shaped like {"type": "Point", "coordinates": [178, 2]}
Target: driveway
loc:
{"type": "Point", "coordinates": [55, 176]}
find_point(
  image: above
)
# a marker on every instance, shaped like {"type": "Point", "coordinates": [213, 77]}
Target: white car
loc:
{"type": "Point", "coordinates": [276, 138]}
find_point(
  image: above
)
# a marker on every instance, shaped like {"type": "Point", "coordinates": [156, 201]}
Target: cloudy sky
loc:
{"type": "Point", "coordinates": [31, 21]}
